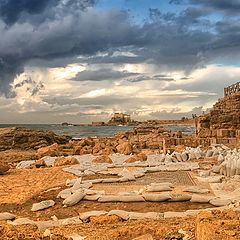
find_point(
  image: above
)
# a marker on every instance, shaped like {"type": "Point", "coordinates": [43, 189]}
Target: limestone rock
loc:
{"type": "Point", "coordinates": [156, 197]}
{"type": "Point", "coordinates": [195, 189]}
{"type": "Point", "coordinates": [22, 221]}
{"type": "Point", "coordinates": [51, 150]}
{"type": "Point", "coordinates": [179, 197]}
{"type": "Point", "coordinates": [74, 198]}
{"type": "Point", "coordinates": [61, 161]}
{"type": "Point", "coordinates": [120, 213]}
{"type": "Point", "coordinates": [158, 188]}
{"type": "Point", "coordinates": [102, 159]}
{"type": "Point", "coordinates": [42, 205]}
{"type": "Point", "coordinates": [201, 199]}
{"type": "Point", "coordinates": [141, 157]}
{"type": "Point", "coordinates": [124, 147]}
{"type": "Point", "coordinates": [220, 202]}
{"type": "Point", "coordinates": [7, 216]}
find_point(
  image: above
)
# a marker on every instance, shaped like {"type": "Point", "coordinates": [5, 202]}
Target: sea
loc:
{"type": "Point", "coordinates": [79, 131]}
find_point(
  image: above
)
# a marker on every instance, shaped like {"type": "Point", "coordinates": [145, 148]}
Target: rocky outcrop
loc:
{"type": "Point", "coordinates": [26, 139]}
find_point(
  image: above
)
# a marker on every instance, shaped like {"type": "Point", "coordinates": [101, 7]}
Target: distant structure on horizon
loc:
{"type": "Point", "coordinates": [120, 119]}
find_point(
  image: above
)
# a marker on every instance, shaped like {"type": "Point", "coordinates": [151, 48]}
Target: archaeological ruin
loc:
{"type": "Point", "coordinates": [222, 124]}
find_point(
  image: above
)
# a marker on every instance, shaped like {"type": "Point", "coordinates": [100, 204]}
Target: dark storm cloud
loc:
{"type": "Point", "coordinates": [102, 74]}
{"type": "Point", "coordinates": [227, 6]}
{"type": "Point", "coordinates": [65, 36]}
{"type": "Point", "coordinates": [10, 10]}
{"type": "Point", "coordinates": [9, 67]}
{"type": "Point", "coordinates": [66, 29]}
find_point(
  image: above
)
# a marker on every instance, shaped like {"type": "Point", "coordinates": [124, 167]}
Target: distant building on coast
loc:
{"type": "Point", "coordinates": [120, 119]}
{"type": "Point", "coordinates": [98, 123]}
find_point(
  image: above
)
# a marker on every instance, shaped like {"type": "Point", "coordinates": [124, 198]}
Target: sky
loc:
{"type": "Point", "coordinates": [80, 61]}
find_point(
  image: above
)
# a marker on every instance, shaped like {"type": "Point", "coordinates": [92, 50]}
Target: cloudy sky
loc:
{"type": "Point", "coordinates": [82, 60]}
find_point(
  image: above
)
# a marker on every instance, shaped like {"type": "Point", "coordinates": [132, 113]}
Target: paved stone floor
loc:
{"type": "Point", "coordinates": [178, 178]}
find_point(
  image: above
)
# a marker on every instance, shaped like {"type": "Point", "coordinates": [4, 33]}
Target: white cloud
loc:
{"type": "Point", "coordinates": [83, 101]}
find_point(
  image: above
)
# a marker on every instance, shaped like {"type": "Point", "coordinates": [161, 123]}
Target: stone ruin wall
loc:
{"type": "Point", "coordinates": [222, 124]}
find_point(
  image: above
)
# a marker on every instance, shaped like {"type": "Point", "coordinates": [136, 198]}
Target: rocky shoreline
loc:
{"type": "Point", "coordinates": [147, 183]}
{"type": "Point", "coordinates": [120, 173]}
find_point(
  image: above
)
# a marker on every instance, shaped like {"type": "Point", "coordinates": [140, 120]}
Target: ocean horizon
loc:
{"type": "Point", "coordinates": [80, 131]}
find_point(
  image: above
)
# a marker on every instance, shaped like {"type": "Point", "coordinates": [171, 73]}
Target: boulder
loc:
{"type": "Point", "coordinates": [42, 205]}
{"type": "Point", "coordinates": [86, 150]}
{"type": "Point", "coordinates": [74, 198]}
{"type": "Point", "coordinates": [7, 216]}
{"type": "Point", "coordinates": [102, 159]}
{"type": "Point", "coordinates": [4, 167]}
{"type": "Point", "coordinates": [51, 150]}
{"type": "Point", "coordinates": [61, 161]}
{"type": "Point", "coordinates": [124, 147]}
{"type": "Point", "coordinates": [141, 157]}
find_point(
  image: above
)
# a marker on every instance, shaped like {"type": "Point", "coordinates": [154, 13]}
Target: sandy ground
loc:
{"type": "Point", "coordinates": [19, 189]}
{"type": "Point", "coordinates": [18, 186]}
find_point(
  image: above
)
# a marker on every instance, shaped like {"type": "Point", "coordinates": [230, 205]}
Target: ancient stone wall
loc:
{"type": "Point", "coordinates": [226, 113]}
{"type": "Point", "coordinates": [222, 124]}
